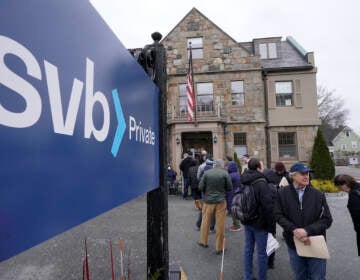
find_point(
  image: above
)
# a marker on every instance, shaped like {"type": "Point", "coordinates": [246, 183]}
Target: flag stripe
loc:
{"type": "Point", "coordinates": [190, 91]}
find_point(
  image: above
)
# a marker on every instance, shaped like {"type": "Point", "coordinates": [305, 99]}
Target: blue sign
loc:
{"type": "Point", "coordinates": [78, 121]}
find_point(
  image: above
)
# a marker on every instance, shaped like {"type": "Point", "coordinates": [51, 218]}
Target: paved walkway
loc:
{"type": "Point", "coordinates": [61, 257]}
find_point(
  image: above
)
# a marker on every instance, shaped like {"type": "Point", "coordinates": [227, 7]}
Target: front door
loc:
{"type": "Point", "coordinates": [196, 142]}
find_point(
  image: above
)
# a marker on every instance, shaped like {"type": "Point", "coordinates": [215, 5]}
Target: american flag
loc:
{"type": "Point", "coordinates": [190, 90]}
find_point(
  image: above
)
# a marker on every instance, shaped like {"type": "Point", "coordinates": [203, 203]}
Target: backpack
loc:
{"type": "Point", "coordinates": [244, 204]}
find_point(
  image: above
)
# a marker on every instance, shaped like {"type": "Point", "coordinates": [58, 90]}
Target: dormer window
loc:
{"type": "Point", "coordinates": [347, 133]}
{"type": "Point", "coordinates": [267, 50]}
{"type": "Point", "coordinates": [196, 47]}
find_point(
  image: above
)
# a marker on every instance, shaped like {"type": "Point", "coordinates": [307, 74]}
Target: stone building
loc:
{"type": "Point", "coordinates": [255, 97]}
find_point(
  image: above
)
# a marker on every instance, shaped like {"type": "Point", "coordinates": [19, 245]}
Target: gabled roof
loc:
{"type": "Point", "coordinates": [346, 128]}
{"type": "Point", "coordinates": [194, 10]}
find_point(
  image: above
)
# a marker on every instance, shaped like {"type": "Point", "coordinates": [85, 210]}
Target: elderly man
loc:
{"type": "Point", "coordinates": [214, 183]}
{"type": "Point", "coordinates": [302, 211]}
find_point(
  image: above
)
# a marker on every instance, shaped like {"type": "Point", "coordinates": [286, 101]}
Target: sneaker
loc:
{"type": "Point", "coordinates": [212, 231]}
{"type": "Point", "coordinates": [234, 228]}
{"type": "Point", "coordinates": [197, 228]}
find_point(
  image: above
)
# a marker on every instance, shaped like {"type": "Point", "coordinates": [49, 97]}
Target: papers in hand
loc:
{"type": "Point", "coordinates": [283, 182]}
{"type": "Point", "coordinates": [272, 244]}
{"type": "Point", "coordinates": [316, 249]}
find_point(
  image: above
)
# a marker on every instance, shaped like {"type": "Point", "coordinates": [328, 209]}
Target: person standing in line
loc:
{"type": "Point", "coordinates": [203, 159]}
{"type": "Point", "coordinates": [208, 166]}
{"type": "Point", "coordinates": [244, 162]}
{"type": "Point", "coordinates": [256, 231]}
{"type": "Point", "coordinates": [302, 211]}
{"type": "Point", "coordinates": [348, 184]}
{"type": "Point", "coordinates": [214, 184]}
{"type": "Point", "coordinates": [185, 164]}
{"type": "Point", "coordinates": [272, 178]}
{"type": "Point", "coordinates": [233, 170]}
{"type": "Point", "coordinates": [194, 184]}
{"type": "Point", "coordinates": [280, 173]}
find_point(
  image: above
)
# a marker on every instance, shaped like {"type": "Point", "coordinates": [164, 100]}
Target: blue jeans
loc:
{"type": "Point", "coordinates": [305, 268]}
{"type": "Point", "coordinates": [259, 237]}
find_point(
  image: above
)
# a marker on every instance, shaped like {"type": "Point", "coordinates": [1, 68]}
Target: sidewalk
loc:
{"type": "Point", "coordinates": [60, 258]}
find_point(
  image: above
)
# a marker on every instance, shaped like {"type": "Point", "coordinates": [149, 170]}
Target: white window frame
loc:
{"type": "Point", "coordinates": [283, 147]}
{"type": "Point", "coordinates": [197, 47]}
{"type": "Point", "coordinates": [268, 50]}
{"type": "Point", "coordinates": [237, 93]}
{"type": "Point", "coordinates": [284, 96]}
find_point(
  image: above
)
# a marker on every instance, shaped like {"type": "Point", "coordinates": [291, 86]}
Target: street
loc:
{"type": "Point", "coordinates": [60, 258]}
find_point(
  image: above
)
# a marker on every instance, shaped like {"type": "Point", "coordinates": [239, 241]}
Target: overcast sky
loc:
{"type": "Point", "coordinates": [329, 28]}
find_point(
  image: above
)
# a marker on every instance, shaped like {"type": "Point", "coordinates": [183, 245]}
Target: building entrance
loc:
{"type": "Point", "coordinates": [196, 142]}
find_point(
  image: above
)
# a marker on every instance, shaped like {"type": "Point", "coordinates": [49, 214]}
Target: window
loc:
{"type": "Point", "coordinates": [205, 97]}
{"type": "Point", "coordinates": [284, 93]}
{"type": "Point", "coordinates": [240, 145]}
{"type": "Point", "coordinates": [347, 133]}
{"type": "Point", "coordinates": [196, 47]}
{"type": "Point", "coordinates": [237, 93]}
{"type": "Point", "coordinates": [354, 144]}
{"type": "Point", "coordinates": [182, 99]}
{"type": "Point", "coordinates": [287, 145]}
{"type": "Point", "coordinates": [343, 147]}
{"type": "Point", "coordinates": [267, 51]}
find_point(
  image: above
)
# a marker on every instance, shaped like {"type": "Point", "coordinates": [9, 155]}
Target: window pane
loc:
{"type": "Point", "coordinates": [283, 87]}
{"type": "Point", "coordinates": [283, 100]}
{"type": "Point", "coordinates": [237, 86]}
{"type": "Point", "coordinates": [204, 88]}
{"type": "Point", "coordinates": [240, 139]}
{"type": "Point", "coordinates": [287, 145]}
{"type": "Point", "coordinates": [263, 51]}
{"type": "Point", "coordinates": [238, 99]}
{"type": "Point", "coordinates": [182, 90]}
{"type": "Point", "coordinates": [272, 50]}
{"type": "Point", "coordinates": [195, 42]}
{"type": "Point", "coordinates": [197, 53]}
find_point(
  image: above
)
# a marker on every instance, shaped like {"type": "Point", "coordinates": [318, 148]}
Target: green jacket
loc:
{"type": "Point", "coordinates": [214, 184]}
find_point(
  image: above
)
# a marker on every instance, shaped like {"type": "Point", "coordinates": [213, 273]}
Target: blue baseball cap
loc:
{"type": "Point", "coordinates": [299, 167]}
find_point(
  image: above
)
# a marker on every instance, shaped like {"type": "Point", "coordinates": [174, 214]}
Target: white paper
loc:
{"type": "Point", "coordinates": [272, 244]}
{"type": "Point", "coordinates": [283, 182]}
{"type": "Point", "coordinates": [316, 249]}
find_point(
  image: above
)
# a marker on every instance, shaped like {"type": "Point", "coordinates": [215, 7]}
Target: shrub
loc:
{"type": "Point", "coordinates": [324, 185]}
{"type": "Point", "coordinates": [236, 159]}
{"type": "Point", "coordinates": [321, 161]}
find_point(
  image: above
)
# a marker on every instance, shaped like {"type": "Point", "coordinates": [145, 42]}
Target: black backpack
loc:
{"type": "Point", "coordinates": [244, 204]}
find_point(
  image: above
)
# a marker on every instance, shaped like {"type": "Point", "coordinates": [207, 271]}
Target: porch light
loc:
{"type": "Point", "coordinates": [177, 140]}
{"type": "Point", "coordinates": [215, 138]}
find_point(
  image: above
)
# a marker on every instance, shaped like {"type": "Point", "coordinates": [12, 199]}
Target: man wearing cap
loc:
{"type": "Point", "coordinates": [302, 211]}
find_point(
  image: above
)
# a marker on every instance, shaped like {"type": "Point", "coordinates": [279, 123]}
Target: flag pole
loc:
{"type": "Point", "coordinates": [193, 85]}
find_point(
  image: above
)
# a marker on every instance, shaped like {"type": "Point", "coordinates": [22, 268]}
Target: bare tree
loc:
{"type": "Point", "coordinates": [331, 108]}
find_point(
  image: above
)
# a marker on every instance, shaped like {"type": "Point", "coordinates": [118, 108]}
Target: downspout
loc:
{"type": "Point", "coordinates": [267, 132]}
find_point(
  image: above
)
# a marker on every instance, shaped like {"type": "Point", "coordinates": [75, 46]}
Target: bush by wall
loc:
{"type": "Point", "coordinates": [321, 162]}
{"type": "Point", "coordinates": [324, 185]}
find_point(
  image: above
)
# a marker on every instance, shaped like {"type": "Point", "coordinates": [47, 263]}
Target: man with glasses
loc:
{"type": "Point", "coordinates": [302, 211]}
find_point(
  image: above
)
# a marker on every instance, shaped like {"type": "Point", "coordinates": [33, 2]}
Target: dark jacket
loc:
{"type": "Point", "coordinates": [354, 209]}
{"type": "Point", "coordinates": [193, 181]}
{"type": "Point", "coordinates": [263, 197]}
{"type": "Point", "coordinates": [271, 177]}
{"type": "Point", "coordinates": [233, 170]}
{"type": "Point", "coordinates": [185, 165]}
{"type": "Point", "coordinates": [312, 214]}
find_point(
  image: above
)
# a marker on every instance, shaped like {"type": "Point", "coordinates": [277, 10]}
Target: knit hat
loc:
{"type": "Point", "coordinates": [279, 167]}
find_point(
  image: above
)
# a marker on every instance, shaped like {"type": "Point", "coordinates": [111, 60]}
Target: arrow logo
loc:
{"type": "Point", "coordinates": [121, 124]}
